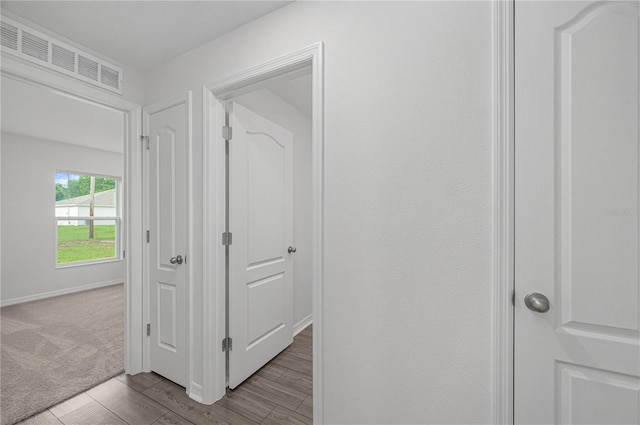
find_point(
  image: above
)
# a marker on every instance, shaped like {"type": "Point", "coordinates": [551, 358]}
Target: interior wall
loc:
{"type": "Point", "coordinates": [407, 198]}
{"type": "Point", "coordinates": [28, 221]}
{"type": "Point", "coordinates": [273, 108]}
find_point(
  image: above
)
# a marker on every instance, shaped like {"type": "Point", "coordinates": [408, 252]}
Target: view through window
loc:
{"type": "Point", "coordinates": [87, 218]}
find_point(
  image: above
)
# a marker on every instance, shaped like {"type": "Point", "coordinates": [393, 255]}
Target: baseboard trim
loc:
{"type": "Point", "coordinates": [301, 325]}
{"type": "Point", "coordinates": [44, 295]}
{"type": "Point", "coordinates": [195, 392]}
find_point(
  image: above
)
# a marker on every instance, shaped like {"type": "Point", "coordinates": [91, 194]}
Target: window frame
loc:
{"type": "Point", "coordinates": [117, 219]}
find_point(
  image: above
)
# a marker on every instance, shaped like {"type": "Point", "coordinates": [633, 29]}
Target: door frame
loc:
{"type": "Point", "coordinates": [132, 196]}
{"type": "Point", "coordinates": [214, 96]}
{"type": "Point", "coordinates": [503, 210]}
{"type": "Point", "coordinates": [193, 390]}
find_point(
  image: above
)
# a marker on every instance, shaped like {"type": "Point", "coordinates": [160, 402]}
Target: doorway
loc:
{"type": "Point", "coordinates": [75, 205]}
{"type": "Point", "coordinates": [270, 276]}
{"type": "Point", "coordinates": [217, 96]}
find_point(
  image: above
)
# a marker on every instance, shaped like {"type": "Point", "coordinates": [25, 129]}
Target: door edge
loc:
{"type": "Point", "coordinates": [503, 211]}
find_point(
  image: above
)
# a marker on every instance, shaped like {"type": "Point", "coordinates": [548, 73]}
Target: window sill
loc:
{"type": "Point", "coordinates": [86, 263]}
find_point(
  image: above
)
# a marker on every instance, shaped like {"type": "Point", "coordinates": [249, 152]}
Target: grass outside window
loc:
{"type": "Point", "coordinates": [74, 244]}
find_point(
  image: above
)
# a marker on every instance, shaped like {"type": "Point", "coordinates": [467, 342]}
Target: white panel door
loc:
{"type": "Point", "coordinates": [577, 229]}
{"type": "Point", "coordinates": [167, 130]}
{"type": "Point", "coordinates": [260, 220]}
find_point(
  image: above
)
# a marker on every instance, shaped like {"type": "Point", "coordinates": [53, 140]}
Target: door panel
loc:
{"type": "Point", "coordinates": [167, 129]}
{"type": "Point", "coordinates": [577, 204]}
{"type": "Point", "coordinates": [260, 219]}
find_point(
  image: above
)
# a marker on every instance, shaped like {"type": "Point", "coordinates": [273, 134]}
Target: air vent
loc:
{"type": "Point", "coordinates": [63, 58]}
{"type": "Point", "coordinates": [109, 76]}
{"type": "Point", "coordinates": [9, 36]}
{"type": "Point", "coordinates": [88, 68]}
{"type": "Point", "coordinates": [36, 47]}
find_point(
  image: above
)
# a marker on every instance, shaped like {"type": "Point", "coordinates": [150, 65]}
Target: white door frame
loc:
{"type": "Point", "coordinates": [16, 69]}
{"type": "Point", "coordinates": [214, 96]}
{"type": "Point", "coordinates": [193, 390]}
{"type": "Point", "coordinates": [503, 210]}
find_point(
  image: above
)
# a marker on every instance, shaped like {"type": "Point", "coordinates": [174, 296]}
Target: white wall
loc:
{"type": "Point", "coordinates": [28, 224]}
{"type": "Point", "coordinates": [280, 112]}
{"type": "Point", "coordinates": [407, 230]}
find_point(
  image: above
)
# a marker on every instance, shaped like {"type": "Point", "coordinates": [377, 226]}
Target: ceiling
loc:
{"type": "Point", "coordinates": [141, 34]}
{"type": "Point", "coordinates": [38, 112]}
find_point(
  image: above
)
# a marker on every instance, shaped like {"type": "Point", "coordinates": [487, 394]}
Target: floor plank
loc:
{"type": "Point", "coordinates": [299, 381]}
{"type": "Point", "coordinates": [290, 361]}
{"type": "Point", "coordinates": [127, 403]}
{"type": "Point", "coordinates": [274, 391]}
{"type": "Point", "coordinates": [298, 351]}
{"type": "Point", "coordinates": [92, 413]}
{"type": "Point", "coordinates": [172, 419]}
{"type": "Point", "coordinates": [306, 408]}
{"type": "Point", "coordinates": [141, 381]}
{"type": "Point", "coordinates": [44, 418]}
{"type": "Point", "coordinates": [271, 371]}
{"type": "Point", "coordinates": [303, 339]}
{"type": "Point", "coordinates": [283, 416]}
{"type": "Point", "coordinates": [247, 404]}
{"type": "Point", "coordinates": [174, 397]}
{"type": "Point", "coordinates": [70, 405]}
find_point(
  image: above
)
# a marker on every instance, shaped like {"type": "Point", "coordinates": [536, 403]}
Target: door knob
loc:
{"type": "Point", "coordinates": [291, 249]}
{"type": "Point", "coordinates": [176, 260]}
{"type": "Point", "coordinates": [537, 302]}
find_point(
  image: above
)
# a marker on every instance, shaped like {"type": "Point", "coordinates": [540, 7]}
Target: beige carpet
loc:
{"type": "Point", "coordinates": [55, 348]}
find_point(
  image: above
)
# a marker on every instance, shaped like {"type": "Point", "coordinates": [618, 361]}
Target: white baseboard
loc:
{"type": "Point", "coordinates": [299, 327]}
{"type": "Point", "coordinates": [43, 295]}
{"type": "Point", "coordinates": [195, 392]}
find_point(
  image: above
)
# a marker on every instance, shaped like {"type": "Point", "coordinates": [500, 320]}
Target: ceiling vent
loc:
{"type": "Point", "coordinates": [36, 47]}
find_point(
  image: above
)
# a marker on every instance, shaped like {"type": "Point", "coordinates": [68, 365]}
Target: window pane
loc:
{"type": "Point", "coordinates": [73, 196]}
{"type": "Point", "coordinates": [76, 244]}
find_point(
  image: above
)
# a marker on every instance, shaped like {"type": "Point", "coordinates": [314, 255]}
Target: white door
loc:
{"type": "Point", "coordinates": [260, 220]}
{"type": "Point", "coordinates": [167, 211]}
{"type": "Point", "coordinates": [576, 222]}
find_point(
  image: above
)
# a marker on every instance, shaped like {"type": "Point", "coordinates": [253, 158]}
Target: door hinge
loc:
{"type": "Point", "coordinates": [227, 345]}
{"type": "Point", "coordinates": [145, 141]}
{"type": "Point", "coordinates": [227, 238]}
{"type": "Point", "coordinates": [227, 132]}
{"type": "Point", "coordinates": [148, 236]}
{"type": "Point", "coordinates": [513, 298]}
{"type": "Point", "coordinates": [148, 329]}
{"type": "Point", "coordinates": [124, 254]}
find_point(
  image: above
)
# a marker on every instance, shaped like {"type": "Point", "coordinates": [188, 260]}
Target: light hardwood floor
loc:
{"type": "Point", "coordinates": [278, 394]}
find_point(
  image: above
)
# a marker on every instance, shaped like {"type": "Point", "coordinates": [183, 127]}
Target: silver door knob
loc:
{"type": "Point", "coordinates": [176, 260]}
{"type": "Point", "coordinates": [291, 249]}
{"type": "Point", "coordinates": [537, 302]}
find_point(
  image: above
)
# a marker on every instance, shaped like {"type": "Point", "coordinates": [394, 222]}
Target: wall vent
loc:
{"type": "Point", "coordinates": [36, 47]}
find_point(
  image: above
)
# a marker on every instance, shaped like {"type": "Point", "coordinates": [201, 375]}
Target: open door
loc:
{"type": "Point", "coordinates": [261, 254]}
{"type": "Point", "coordinates": [167, 127]}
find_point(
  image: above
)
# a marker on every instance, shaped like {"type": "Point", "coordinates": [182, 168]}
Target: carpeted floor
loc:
{"type": "Point", "coordinates": [55, 348]}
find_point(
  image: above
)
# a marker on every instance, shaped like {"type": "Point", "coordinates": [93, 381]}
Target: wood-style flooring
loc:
{"type": "Point", "coordinates": [278, 394]}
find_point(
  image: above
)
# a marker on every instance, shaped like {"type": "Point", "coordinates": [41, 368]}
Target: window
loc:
{"type": "Point", "coordinates": [87, 218]}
